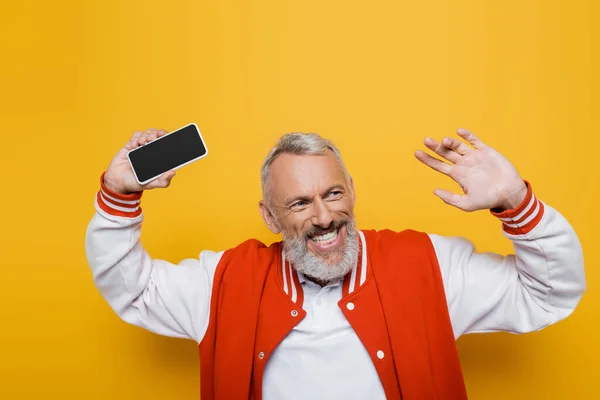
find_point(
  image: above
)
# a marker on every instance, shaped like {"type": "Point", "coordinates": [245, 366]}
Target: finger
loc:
{"type": "Point", "coordinates": [441, 150]}
{"type": "Point", "coordinates": [132, 142]}
{"type": "Point", "coordinates": [453, 199]}
{"type": "Point", "coordinates": [167, 178]}
{"type": "Point", "coordinates": [136, 134]}
{"type": "Point", "coordinates": [162, 181]}
{"type": "Point", "coordinates": [151, 136]}
{"type": "Point", "coordinates": [470, 137]}
{"type": "Point", "coordinates": [456, 145]}
{"type": "Point", "coordinates": [433, 163]}
{"type": "Point", "coordinates": [142, 139]}
{"type": "Point", "coordinates": [162, 132]}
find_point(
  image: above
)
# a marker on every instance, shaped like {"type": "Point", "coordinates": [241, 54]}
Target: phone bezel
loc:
{"type": "Point", "coordinates": [162, 137]}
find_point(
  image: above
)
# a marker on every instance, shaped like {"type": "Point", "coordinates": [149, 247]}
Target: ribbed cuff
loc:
{"type": "Point", "coordinates": [522, 220]}
{"type": "Point", "coordinates": [120, 205]}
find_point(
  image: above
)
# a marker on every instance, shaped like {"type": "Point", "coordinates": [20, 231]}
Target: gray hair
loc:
{"type": "Point", "coordinates": [296, 143]}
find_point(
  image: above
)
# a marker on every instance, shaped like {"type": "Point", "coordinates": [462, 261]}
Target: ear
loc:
{"type": "Point", "coordinates": [268, 217]}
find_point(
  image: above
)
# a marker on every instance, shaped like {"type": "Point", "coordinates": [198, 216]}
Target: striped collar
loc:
{"type": "Point", "coordinates": [292, 280]}
{"type": "Point", "coordinates": [358, 276]}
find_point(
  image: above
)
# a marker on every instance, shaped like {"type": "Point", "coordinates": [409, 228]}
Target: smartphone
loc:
{"type": "Point", "coordinates": [172, 151]}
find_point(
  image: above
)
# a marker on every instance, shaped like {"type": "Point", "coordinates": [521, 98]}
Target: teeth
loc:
{"type": "Point", "coordinates": [328, 237]}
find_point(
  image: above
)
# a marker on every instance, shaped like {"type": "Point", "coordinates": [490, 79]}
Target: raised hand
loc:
{"type": "Point", "coordinates": [119, 176]}
{"type": "Point", "coordinates": [488, 180]}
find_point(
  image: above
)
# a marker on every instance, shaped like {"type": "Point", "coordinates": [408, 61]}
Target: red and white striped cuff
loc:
{"type": "Point", "coordinates": [119, 205]}
{"type": "Point", "coordinates": [522, 220]}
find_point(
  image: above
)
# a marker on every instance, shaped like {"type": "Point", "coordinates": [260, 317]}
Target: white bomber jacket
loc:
{"type": "Point", "coordinates": [538, 285]}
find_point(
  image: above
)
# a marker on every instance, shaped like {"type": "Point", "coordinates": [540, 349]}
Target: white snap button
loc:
{"type": "Point", "coordinates": [294, 313]}
{"type": "Point", "coordinates": [319, 302]}
{"type": "Point", "coordinates": [261, 355]}
{"type": "Point", "coordinates": [350, 306]}
{"type": "Point", "coordinates": [380, 354]}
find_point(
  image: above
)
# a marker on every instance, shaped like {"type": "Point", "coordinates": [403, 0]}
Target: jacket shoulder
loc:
{"type": "Point", "coordinates": [249, 255]}
{"type": "Point", "coordinates": [387, 236]}
{"type": "Point", "coordinates": [406, 251]}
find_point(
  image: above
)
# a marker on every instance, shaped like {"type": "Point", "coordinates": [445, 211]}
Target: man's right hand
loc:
{"type": "Point", "coordinates": [119, 176]}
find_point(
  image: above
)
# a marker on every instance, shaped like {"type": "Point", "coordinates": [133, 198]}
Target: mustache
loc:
{"type": "Point", "coordinates": [317, 230]}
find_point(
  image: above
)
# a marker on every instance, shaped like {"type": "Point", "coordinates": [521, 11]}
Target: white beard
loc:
{"type": "Point", "coordinates": [318, 267]}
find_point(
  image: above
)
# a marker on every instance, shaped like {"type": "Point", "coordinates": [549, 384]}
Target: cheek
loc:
{"type": "Point", "coordinates": [343, 206]}
{"type": "Point", "coordinates": [295, 225]}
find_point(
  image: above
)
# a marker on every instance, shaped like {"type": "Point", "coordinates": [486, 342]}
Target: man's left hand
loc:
{"type": "Point", "coordinates": [488, 180]}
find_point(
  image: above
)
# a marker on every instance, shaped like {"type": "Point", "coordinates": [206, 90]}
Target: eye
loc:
{"type": "Point", "coordinates": [299, 205]}
{"type": "Point", "coordinates": [334, 195]}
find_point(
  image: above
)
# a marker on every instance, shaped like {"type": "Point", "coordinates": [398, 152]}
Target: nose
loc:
{"type": "Point", "coordinates": [322, 216]}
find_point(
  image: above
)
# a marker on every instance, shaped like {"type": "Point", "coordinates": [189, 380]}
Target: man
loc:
{"type": "Point", "coordinates": [333, 312]}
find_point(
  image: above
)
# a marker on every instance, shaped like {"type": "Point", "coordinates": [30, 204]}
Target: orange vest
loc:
{"type": "Point", "coordinates": [394, 300]}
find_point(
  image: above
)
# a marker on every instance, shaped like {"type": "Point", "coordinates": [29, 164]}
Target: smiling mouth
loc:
{"type": "Point", "coordinates": [326, 238]}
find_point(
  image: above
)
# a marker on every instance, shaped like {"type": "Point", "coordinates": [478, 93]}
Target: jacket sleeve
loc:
{"type": "Point", "coordinates": [538, 285]}
{"type": "Point", "coordinates": [168, 299]}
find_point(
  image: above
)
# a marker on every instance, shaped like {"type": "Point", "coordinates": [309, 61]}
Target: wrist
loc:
{"type": "Point", "coordinates": [524, 217]}
{"type": "Point", "coordinates": [111, 184]}
{"type": "Point", "coordinates": [514, 198]}
{"type": "Point", "coordinates": [118, 204]}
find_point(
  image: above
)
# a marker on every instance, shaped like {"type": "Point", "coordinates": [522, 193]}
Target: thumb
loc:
{"type": "Point", "coordinates": [162, 181]}
{"type": "Point", "coordinates": [453, 199]}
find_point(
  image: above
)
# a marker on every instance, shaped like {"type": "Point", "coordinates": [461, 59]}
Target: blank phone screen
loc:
{"type": "Point", "coordinates": [167, 152]}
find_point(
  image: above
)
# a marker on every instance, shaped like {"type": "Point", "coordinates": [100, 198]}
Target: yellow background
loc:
{"type": "Point", "coordinates": [77, 78]}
